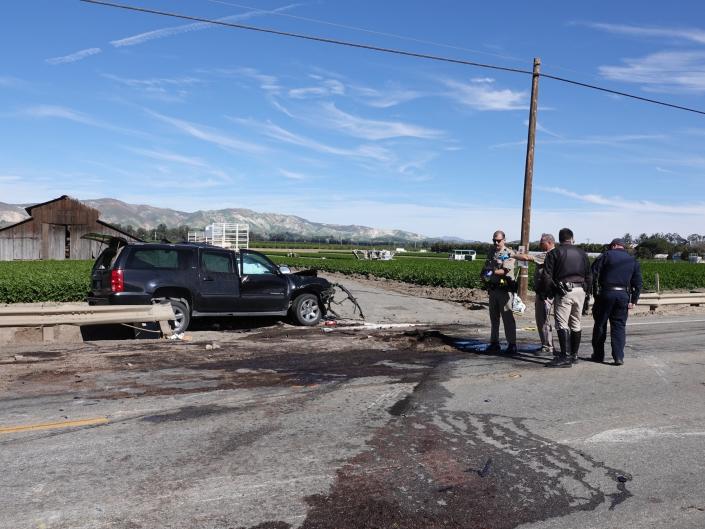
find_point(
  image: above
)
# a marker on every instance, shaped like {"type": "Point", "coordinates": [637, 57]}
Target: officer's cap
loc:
{"type": "Point", "coordinates": [617, 242]}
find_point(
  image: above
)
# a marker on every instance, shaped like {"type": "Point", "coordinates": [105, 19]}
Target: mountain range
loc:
{"type": "Point", "coordinates": [264, 225]}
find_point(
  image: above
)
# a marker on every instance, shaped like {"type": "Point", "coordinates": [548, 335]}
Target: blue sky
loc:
{"type": "Point", "coordinates": [98, 102]}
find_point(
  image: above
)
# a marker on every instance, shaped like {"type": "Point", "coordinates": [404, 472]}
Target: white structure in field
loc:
{"type": "Point", "coordinates": [223, 234]}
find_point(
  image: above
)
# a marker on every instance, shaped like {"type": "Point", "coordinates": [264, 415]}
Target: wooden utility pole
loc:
{"type": "Point", "coordinates": [529, 176]}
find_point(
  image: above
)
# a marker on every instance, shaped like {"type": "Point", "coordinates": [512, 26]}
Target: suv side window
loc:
{"type": "Point", "coordinates": [154, 258]}
{"type": "Point", "coordinates": [253, 264]}
{"type": "Point", "coordinates": [217, 262]}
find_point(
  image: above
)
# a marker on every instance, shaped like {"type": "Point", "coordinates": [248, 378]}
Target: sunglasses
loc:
{"type": "Point", "coordinates": [496, 241]}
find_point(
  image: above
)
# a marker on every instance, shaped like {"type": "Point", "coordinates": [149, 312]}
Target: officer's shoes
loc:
{"type": "Point", "coordinates": [493, 348]}
{"type": "Point", "coordinates": [560, 361]}
{"type": "Point", "coordinates": [512, 349]}
{"type": "Point", "coordinates": [597, 359]}
{"type": "Point", "coordinates": [573, 358]}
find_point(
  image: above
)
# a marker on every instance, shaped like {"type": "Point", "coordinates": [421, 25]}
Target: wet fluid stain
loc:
{"type": "Point", "coordinates": [401, 406]}
{"type": "Point", "coordinates": [187, 413]}
{"type": "Point", "coordinates": [430, 469]}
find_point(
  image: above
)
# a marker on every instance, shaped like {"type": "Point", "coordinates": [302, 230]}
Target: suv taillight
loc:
{"type": "Point", "coordinates": [117, 280]}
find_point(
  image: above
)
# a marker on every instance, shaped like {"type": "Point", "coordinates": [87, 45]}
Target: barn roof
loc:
{"type": "Point", "coordinates": [65, 197]}
{"type": "Point", "coordinates": [119, 230]}
{"type": "Point", "coordinates": [29, 209]}
{"type": "Point", "coordinates": [16, 224]}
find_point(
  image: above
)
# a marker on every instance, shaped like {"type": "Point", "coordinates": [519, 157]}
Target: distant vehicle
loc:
{"type": "Point", "coordinates": [199, 279]}
{"type": "Point", "coordinates": [462, 255]}
{"type": "Point", "coordinates": [377, 255]}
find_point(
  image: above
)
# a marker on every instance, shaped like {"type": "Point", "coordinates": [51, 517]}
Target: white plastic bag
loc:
{"type": "Point", "coordinates": [518, 305]}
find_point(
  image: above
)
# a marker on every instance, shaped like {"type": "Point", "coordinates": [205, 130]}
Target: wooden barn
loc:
{"type": "Point", "coordinates": [54, 230]}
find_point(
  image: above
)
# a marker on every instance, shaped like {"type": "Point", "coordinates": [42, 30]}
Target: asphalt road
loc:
{"type": "Point", "coordinates": [286, 427]}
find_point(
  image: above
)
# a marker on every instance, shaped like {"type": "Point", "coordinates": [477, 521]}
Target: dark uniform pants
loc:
{"type": "Point", "coordinates": [501, 307]}
{"type": "Point", "coordinates": [612, 306]}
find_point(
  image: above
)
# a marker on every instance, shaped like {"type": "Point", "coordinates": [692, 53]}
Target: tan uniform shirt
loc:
{"type": "Point", "coordinates": [501, 259]}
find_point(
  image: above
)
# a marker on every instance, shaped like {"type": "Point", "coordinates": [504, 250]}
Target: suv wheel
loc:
{"type": "Point", "coordinates": [182, 314]}
{"type": "Point", "coordinates": [306, 310]}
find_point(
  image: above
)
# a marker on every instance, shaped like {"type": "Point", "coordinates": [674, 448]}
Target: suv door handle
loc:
{"type": "Point", "coordinates": [208, 279]}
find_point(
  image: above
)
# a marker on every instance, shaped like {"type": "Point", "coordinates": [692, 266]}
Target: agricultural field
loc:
{"type": "Point", "coordinates": [35, 281]}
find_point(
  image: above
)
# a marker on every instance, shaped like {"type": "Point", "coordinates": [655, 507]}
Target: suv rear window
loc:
{"type": "Point", "coordinates": [217, 262]}
{"type": "Point", "coordinates": [148, 259]}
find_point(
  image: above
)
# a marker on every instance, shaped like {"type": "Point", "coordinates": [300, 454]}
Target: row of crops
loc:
{"type": "Point", "coordinates": [32, 281]}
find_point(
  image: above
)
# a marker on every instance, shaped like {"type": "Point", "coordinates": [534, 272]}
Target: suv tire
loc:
{"type": "Point", "coordinates": [182, 311]}
{"type": "Point", "coordinates": [306, 310]}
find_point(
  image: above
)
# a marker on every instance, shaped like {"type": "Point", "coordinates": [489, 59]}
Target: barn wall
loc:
{"type": "Point", "coordinates": [20, 242]}
{"type": "Point", "coordinates": [44, 237]}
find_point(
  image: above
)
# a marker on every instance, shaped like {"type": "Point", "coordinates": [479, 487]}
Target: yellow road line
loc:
{"type": "Point", "coordinates": [53, 425]}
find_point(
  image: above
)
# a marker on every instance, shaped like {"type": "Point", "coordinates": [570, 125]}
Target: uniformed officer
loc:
{"type": "Point", "coordinates": [542, 303]}
{"type": "Point", "coordinates": [567, 275]}
{"type": "Point", "coordinates": [616, 286]}
{"type": "Point", "coordinates": [498, 274]}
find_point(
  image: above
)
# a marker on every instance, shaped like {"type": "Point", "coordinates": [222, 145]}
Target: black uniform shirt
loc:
{"type": "Point", "coordinates": [566, 263]}
{"type": "Point", "coordinates": [616, 268]}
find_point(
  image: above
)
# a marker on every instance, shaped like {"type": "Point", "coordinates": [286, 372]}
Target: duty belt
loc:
{"type": "Point", "coordinates": [570, 284]}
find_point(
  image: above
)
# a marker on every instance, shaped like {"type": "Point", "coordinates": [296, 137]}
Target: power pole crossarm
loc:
{"type": "Point", "coordinates": [529, 176]}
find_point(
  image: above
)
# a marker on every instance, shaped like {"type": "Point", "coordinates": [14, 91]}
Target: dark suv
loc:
{"type": "Point", "coordinates": [203, 280]}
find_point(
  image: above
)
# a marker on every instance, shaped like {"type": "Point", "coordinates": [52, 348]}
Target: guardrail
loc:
{"type": "Point", "coordinates": [80, 314]}
{"type": "Point", "coordinates": [656, 299]}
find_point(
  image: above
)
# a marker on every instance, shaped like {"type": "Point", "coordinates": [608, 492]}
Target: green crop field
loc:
{"type": "Point", "coordinates": [33, 281]}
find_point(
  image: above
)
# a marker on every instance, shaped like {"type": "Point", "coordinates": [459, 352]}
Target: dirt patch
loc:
{"type": "Point", "coordinates": [268, 358]}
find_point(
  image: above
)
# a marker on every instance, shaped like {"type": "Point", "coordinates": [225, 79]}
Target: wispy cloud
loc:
{"type": "Point", "coordinates": [615, 140]}
{"type": "Point", "coordinates": [323, 88]}
{"type": "Point", "coordinates": [9, 178]}
{"type": "Point", "coordinates": [386, 98]}
{"type": "Point", "coordinates": [188, 161]}
{"type": "Point", "coordinates": [481, 94]}
{"type": "Point", "coordinates": [162, 88]}
{"type": "Point", "coordinates": [267, 83]}
{"type": "Point", "coordinates": [55, 111]}
{"type": "Point", "coordinates": [166, 156]}
{"type": "Point", "coordinates": [210, 135]}
{"type": "Point", "coordinates": [370, 129]}
{"type": "Point", "coordinates": [8, 81]}
{"type": "Point", "coordinates": [275, 132]}
{"type": "Point", "coordinates": [640, 206]}
{"type": "Point", "coordinates": [61, 112]}
{"type": "Point", "coordinates": [73, 57]}
{"type": "Point", "coordinates": [688, 34]}
{"type": "Point", "coordinates": [668, 71]}
{"type": "Point", "coordinates": [141, 38]}
{"type": "Point", "coordinates": [291, 175]}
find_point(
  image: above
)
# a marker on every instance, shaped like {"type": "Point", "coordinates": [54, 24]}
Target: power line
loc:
{"type": "Point", "coordinates": [365, 30]}
{"type": "Point", "coordinates": [306, 37]}
{"type": "Point", "coordinates": [386, 50]}
{"type": "Point", "coordinates": [616, 92]}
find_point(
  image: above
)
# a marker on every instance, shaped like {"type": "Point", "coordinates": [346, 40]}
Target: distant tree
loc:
{"type": "Point", "coordinates": [656, 244]}
{"type": "Point", "coordinates": [628, 239]}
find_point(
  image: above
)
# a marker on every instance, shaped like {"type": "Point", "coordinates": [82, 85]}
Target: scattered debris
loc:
{"type": "Point", "coordinates": [486, 469]}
